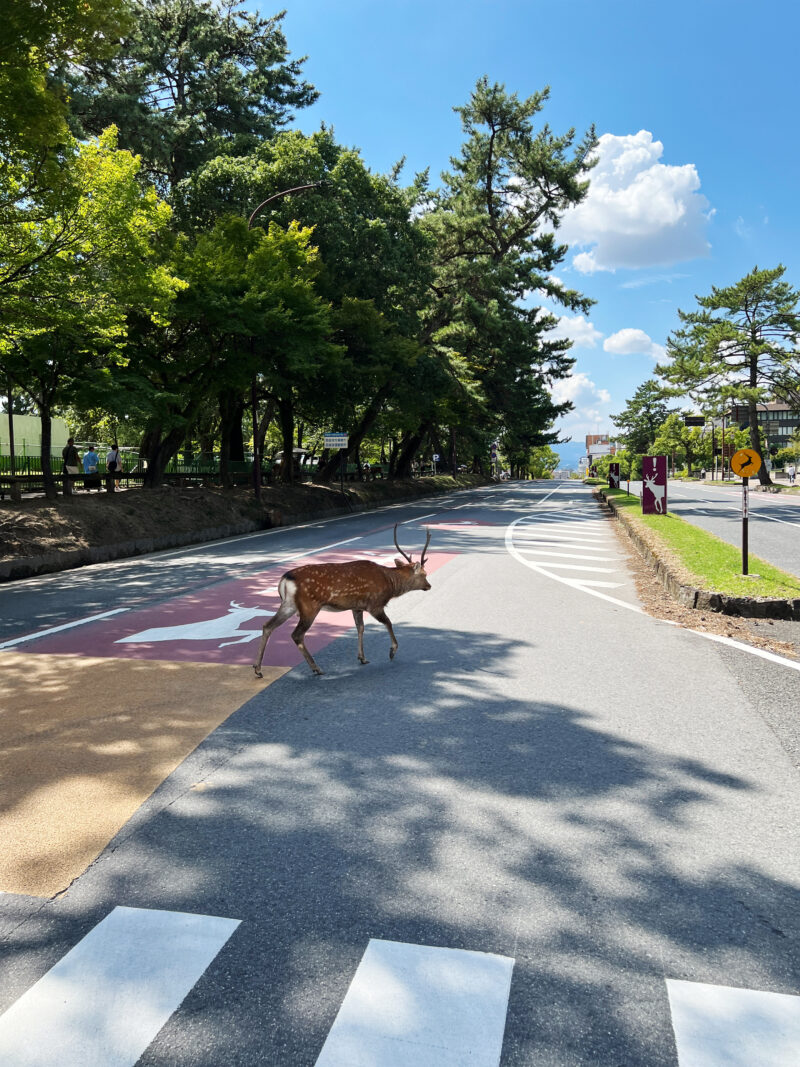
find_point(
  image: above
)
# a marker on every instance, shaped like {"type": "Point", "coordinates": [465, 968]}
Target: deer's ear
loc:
{"type": "Point", "coordinates": [399, 562]}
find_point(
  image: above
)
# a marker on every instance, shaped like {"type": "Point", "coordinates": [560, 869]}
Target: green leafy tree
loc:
{"type": "Point", "coordinates": [35, 39]}
{"type": "Point", "coordinates": [638, 424]}
{"type": "Point", "coordinates": [194, 79]}
{"type": "Point", "coordinates": [542, 462]}
{"type": "Point", "coordinates": [671, 440]}
{"type": "Point", "coordinates": [739, 345]}
{"type": "Point", "coordinates": [250, 307]}
{"type": "Point", "coordinates": [75, 264]}
{"type": "Point", "coordinates": [373, 264]}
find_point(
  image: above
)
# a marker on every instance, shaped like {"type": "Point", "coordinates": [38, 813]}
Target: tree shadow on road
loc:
{"type": "Point", "coordinates": [429, 801]}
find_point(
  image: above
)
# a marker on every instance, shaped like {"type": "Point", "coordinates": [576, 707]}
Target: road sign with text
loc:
{"type": "Point", "coordinates": [335, 440]}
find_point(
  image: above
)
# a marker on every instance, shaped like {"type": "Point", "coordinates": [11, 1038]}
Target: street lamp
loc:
{"type": "Point", "coordinates": [253, 385]}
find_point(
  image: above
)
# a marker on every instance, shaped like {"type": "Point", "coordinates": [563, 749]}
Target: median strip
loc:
{"type": "Point", "coordinates": [702, 571]}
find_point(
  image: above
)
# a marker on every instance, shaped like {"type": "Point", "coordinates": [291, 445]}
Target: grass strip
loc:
{"type": "Point", "coordinates": [710, 563]}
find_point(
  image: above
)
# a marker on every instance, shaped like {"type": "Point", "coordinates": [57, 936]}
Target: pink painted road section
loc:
{"type": "Point", "coordinates": [218, 625]}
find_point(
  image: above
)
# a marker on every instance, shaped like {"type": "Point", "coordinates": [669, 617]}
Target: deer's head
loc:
{"type": "Point", "coordinates": [416, 577]}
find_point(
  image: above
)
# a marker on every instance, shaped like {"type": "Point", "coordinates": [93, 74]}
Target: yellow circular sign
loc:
{"type": "Point", "coordinates": [746, 462]}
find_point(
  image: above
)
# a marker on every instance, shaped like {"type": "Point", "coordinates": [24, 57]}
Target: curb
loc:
{"type": "Point", "coordinates": [701, 599]}
{"type": "Point", "coordinates": [31, 566]}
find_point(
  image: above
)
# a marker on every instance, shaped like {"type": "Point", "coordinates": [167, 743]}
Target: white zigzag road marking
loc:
{"type": "Point", "coordinates": [585, 586]}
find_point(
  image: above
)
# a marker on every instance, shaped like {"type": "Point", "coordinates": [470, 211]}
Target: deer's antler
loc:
{"type": "Point", "coordinates": [425, 549]}
{"type": "Point", "coordinates": [399, 549]}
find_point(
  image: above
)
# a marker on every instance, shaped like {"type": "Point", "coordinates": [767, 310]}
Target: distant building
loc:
{"type": "Point", "coordinates": [778, 421]}
{"type": "Point", "coordinates": [597, 445]}
{"type": "Point", "coordinates": [28, 434]}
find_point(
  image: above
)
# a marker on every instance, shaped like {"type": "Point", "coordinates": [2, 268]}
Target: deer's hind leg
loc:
{"type": "Point", "coordinates": [298, 633]}
{"type": "Point", "coordinates": [284, 612]}
{"type": "Point", "coordinates": [358, 618]}
{"type": "Point", "coordinates": [381, 616]}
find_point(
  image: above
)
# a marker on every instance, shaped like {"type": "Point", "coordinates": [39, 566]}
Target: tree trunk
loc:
{"type": "Point", "coordinates": [330, 469]}
{"type": "Point", "coordinates": [286, 419]}
{"type": "Point", "coordinates": [158, 451]}
{"type": "Point", "coordinates": [11, 428]}
{"type": "Point", "coordinates": [50, 488]}
{"type": "Point", "coordinates": [755, 442]}
{"type": "Point", "coordinates": [408, 452]}
{"type": "Point", "coordinates": [231, 410]}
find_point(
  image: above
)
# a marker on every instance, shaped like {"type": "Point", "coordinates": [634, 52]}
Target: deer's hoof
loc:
{"type": "Point", "coordinates": [392, 652]}
{"type": "Point", "coordinates": [258, 672]}
{"type": "Point", "coordinates": [362, 661]}
{"type": "Point", "coordinates": [316, 670]}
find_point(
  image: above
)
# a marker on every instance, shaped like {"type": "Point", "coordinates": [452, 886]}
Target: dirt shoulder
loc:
{"type": "Point", "coordinates": [38, 535]}
{"type": "Point", "coordinates": [781, 636]}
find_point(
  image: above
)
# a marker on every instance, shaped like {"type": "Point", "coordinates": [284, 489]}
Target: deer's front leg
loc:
{"type": "Point", "coordinates": [285, 611]}
{"type": "Point", "coordinates": [381, 616]}
{"type": "Point", "coordinates": [358, 618]}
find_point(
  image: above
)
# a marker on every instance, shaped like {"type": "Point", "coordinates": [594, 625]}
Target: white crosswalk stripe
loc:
{"type": "Point", "coordinates": [408, 1005]}
{"type": "Point", "coordinates": [419, 1006]}
{"type": "Point", "coordinates": [719, 1026]}
{"type": "Point", "coordinates": [105, 1001]}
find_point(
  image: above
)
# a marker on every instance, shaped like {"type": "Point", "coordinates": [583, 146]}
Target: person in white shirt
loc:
{"type": "Point", "coordinates": [114, 461]}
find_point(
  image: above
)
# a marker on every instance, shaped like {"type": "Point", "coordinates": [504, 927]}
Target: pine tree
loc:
{"type": "Point", "coordinates": [194, 79]}
{"type": "Point", "coordinates": [740, 345]}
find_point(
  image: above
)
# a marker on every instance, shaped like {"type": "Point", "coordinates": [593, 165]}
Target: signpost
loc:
{"type": "Point", "coordinates": [694, 420]}
{"type": "Point", "coordinates": [435, 461]}
{"type": "Point", "coordinates": [337, 440]}
{"type": "Point", "coordinates": [654, 485]}
{"type": "Point", "coordinates": [744, 463]}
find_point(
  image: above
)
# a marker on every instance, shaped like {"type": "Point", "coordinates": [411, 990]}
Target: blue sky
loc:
{"type": "Point", "coordinates": [696, 103]}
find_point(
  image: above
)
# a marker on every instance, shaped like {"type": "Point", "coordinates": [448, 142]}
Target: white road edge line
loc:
{"type": "Point", "coordinates": [105, 1001]}
{"type": "Point", "coordinates": [64, 626]}
{"type": "Point", "coordinates": [739, 645]}
{"type": "Point", "coordinates": [417, 1005]}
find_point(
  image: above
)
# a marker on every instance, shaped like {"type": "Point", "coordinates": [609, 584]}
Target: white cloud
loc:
{"type": "Point", "coordinates": [638, 212]}
{"type": "Point", "coordinates": [580, 389]}
{"type": "Point", "coordinates": [630, 342]}
{"type": "Point", "coordinates": [591, 409]}
{"type": "Point", "coordinates": [578, 329]}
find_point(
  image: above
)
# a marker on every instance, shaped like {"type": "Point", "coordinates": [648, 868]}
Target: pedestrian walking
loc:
{"type": "Point", "coordinates": [91, 479]}
{"type": "Point", "coordinates": [114, 462]}
{"type": "Point", "coordinates": [790, 471]}
{"type": "Point", "coordinates": [72, 462]}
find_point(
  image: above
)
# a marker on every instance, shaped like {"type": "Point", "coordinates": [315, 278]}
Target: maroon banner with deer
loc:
{"type": "Point", "coordinates": [613, 476]}
{"type": "Point", "coordinates": [654, 485]}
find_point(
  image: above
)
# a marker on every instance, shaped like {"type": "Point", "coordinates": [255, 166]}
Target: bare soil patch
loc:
{"type": "Point", "coordinates": [38, 527]}
{"type": "Point", "coordinates": [773, 635]}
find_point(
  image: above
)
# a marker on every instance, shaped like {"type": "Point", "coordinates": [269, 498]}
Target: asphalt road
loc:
{"type": "Point", "coordinates": [593, 811]}
{"type": "Point", "coordinates": [773, 523]}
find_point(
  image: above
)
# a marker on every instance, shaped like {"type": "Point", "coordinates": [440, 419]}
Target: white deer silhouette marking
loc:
{"type": "Point", "coordinates": [208, 630]}
{"type": "Point", "coordinates": [657, 490]}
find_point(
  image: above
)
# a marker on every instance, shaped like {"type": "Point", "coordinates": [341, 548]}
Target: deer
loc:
{"type": "Point", "coordinates": [358, 586]}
